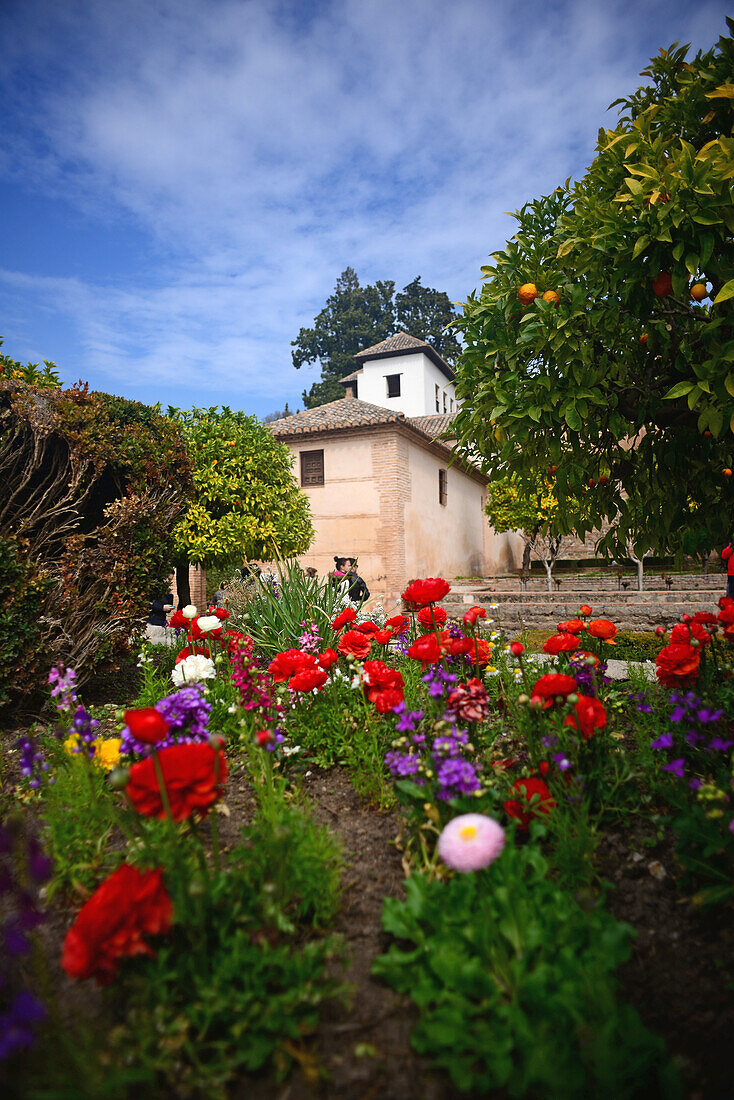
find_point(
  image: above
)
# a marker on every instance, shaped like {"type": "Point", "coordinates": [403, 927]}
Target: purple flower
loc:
{"type": "Point", "coordinates": [407, 719]}
{"type": "Point", "coordinates": [675, 767]}
{"type": "Point", "coordinates": [456, 777]}
{"type": "Point", "coordinates": [187, 713]}
{"type": "Point", "coordinates": [644, 708]}
{"type": "Point", "coordinates": [664, 741]}
{"type": "Point", "coordinates": [719, 745]}
{"type": "Point", "coordinates": [62, 682]}
{"type": "Point", "coordinates": [32, 762]}
{"type": "Point", "coordinates": [401, 764]}
{"type": "Point", "coordinates": [678, 714]}
{"type": "Point", "coordinates": [85, 728]}
{"type": "Point", "coordinates": [562, 761]}
{"type": "Point", "coordinates": [695, 784]}
{"type": "Point", "coordinates": [17, 1024]}
{"type": "Point", "coordinates": [705, 716]}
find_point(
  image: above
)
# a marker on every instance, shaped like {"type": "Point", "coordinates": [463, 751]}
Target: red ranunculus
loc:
{"type": "Point", "coordinates": [561, 643]}
{"type": "Point", "coordinates": [571, 626]}
{"type": "Point", "coordinates": [425, 649]}
{"type": "Point", "coordinates": [680, 635]}
{"type": "Point", "coordinates": [585, 610]}
{"type": "Point", "coordinates": [221, 613]}
{"type": "Point", "coordinates": [382, 637]}
{"type": "Point", "coordinates": [236, 637]}
{"type": "Point", "coordinates": [725, 601]}
{"type": "Point", "coordinates": [356, 643]}
{"type": "Point", "coordinates": [367, 628]}
{"type": "Point", "coordinates": [455, 647]}
{"type": "Point", "coordinates": [590, 716]}
{"type": "Point", "coordinates": [549, 687]}
{"type": "Point", "coordinates": [177, 621]}
{"type": "Point", "coordinates": [383, 685]}
{"type": "Point", "coordinates": [328, 658]}
{"type": "Point", "coordinates": [531, 790]}
{"type": "Point", "coordinates": [348, 615]}
{"type": "Point", "coordinates": [193, 776]}
{"type": "Point", "coordinates": [480, 651]}
{"type": "Point", "coordinates": [398, 623]}
{"type": "Point", "coordinates": [198, 649]}
{"type": "Point", "coordinates": [473, 614]}
{"type": "Point", "coordinates": [726, 615]}
{"type": "Point", "coordinates": [705, 618]}
{"type": "Point", "coordinates": [129, 905]}
{"type": "Point", "coordinates": [307, 680]}
{"type": "Point", "coordinates": [430, 590]}
{"type": "Point", "coordinates": [470, 701]}
{"type": "Point", "coordinates": [583, 653]}
{"type": "Point", "coordinates": [197, 632]}
{"type": "Point", "coordinates": [146, 724]}
{"type": "Point", "coordinates": [285, 664]}
{"type": "Point", "coordinates": [602, 629]}
{"type": "Point", "coordinates": [431, 617]}
{"type": "Point", "coordinates": [677, 664]}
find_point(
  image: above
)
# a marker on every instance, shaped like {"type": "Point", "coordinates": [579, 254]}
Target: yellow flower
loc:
{"type": "Point", "coordinates": [107, 753]}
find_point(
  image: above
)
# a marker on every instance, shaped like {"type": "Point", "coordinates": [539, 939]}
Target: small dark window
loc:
{"type": "Point", "coordinates": [444, 400]}
{"type": "Point", "coordinates": [442, 493]}
{"type": "Point", "coordinates": [312, 467]}
{"type": "Point", "coordinates": [393, 385]}
{"type": "Point", "coordinates": [438, 400]}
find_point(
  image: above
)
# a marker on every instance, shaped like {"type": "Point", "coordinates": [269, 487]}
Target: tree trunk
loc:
{"type": "Point", "coordinates": [549, 572]}
{"type": "Point", "coordinates": [527, 550]}
{"type": "Point", "coordinates": [182, 580]}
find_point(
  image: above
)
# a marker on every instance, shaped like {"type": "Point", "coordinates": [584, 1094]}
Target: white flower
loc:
{"type": "Point", "coordinates": [232, 709]}
{"type": "Point", "coordinates": [356, 682]}
{"type": "Point", "coordinates": [193, 670]}
{"type": "Point", "coordinates": [208, 622]}
{"type": "Point", "coordinates": [288, 750]}
{"type": "Point", "coordinates": [189, 612]}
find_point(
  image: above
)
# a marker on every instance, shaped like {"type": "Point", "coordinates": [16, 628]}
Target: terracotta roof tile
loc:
{"type": "Point", "coordinates": [401, 344]}
{"type": "Point", "coordinates": [347, 412]}
{"type": "Point", "coordinates": [433, 425]}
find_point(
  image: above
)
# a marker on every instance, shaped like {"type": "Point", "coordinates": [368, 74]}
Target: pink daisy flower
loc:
{"type": "Point", "coordinates": [470, 842]}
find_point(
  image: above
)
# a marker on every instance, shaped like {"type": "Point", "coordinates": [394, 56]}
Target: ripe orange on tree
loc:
{"type": "Point", "coordinates": [527, 293]}
{"type": "Point", "coordinates": [551, 296]}
{"type": "Point", "coordinates": [699, 292]}
{"type": "Point", "coordinates": [643, 338]}
{"type": "Point", "coordinates": [726, 472]}
{"type": "Point", "coordinates": [662, 284]}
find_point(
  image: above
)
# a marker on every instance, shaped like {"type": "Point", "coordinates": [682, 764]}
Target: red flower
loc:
{"type": "Point", "coordinates": [431, 617]}
{"type": "Point", "coordinates": [383, 685]}
{"type": "Point", "coordinates": [679, 635]}
{"type": "Point", "coordinates": [328, 658]}
{"type": "Point", "coordinates": [399, 623]}
{"type": "Point", "coordinates": [146, 724]}
{"type": "Point", "coordinates": [285, 664]}
{"type": "Point", "coordinates": [184, 653]}
{"type": "Point", "coordinates": [585, 610]}
{"type": "Point", "coordinates": [725, 601]}
{"type": "Point", "coordinates": [426, 649]}
{"type": "Point", "coordinates": [307, 679]}
{"type": "Point", "coordinates": [705, 618]}
{"type": "Point", "coordinates": [356, 643]}
{"type": "Point", "coordinates": [726, 615]}
{"type": "Point", "coordinates": [473, 614]}
{"type": "Point", "coordinates": [549, 687]}
{"type": "Point", "coordinates": [129, 905]}
{"type": "Point", "coordinates": [561, 643]}
{"type": "Point", "coordinates": [572, 626]}
{"type": "Point", "coordinates": [455, 647]}
{"type": "Point", "coordinates": [676, 663]}
{"type": "Point", "coordinates": [470, 701]}
{"type": "Point", "coordinates": [480, 651]}
{"type": "Point", "coordinates": [193, 776]}
{"type": "Point", "coordinates": [582, 653]}
{"type": "Point", "coordinates": [367, 628]}
{"type": "Point", "coordinates": [177, 620]}
{"type": "Point", "coordinates": [535, 798]}
{"type": "Point", "coordinates": [221, 613]}
{"type": "Point", "coordinates": [589, 717]}
{"type": "Point", "coordinates": [382, 637]}
{"type": "Point", "coordinates": [197, 633]}
{"type": "Point", "coordinates": [263, 738]}
{"type": "Point", "coordinates": [603, 629]}
{"type": "Point", "coordinates": [517, 649]}
{"type": "Point", "coordinates": [348, 615]}
{"type": "Point", "coordinates": [430, 590]}
{"type": "Point", "coordinates": [236, 637]}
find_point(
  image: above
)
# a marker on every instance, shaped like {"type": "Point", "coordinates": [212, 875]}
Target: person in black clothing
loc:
{"type": "Point", "coordinates": [358, 590]}
{"type": "Point", "coordinates": [155, 629]}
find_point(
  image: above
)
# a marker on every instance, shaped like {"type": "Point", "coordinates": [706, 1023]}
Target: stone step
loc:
{"type": "Point", "coordinates": [572, 600]}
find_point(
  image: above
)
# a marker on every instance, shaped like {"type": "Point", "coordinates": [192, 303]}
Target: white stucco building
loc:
{"type": "Point", "coordinates": [403, 374]}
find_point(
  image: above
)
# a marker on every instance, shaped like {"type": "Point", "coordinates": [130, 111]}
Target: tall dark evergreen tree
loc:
{"type": "Point", "coordinates": [355, 317]}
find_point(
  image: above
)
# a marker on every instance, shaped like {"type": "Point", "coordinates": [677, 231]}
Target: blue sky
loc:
{"type": "Point", "coordinates": [182, 181]}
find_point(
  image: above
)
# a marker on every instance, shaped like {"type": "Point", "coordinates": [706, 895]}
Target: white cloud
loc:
{"type": "Point", "coordinates": [264, 150]}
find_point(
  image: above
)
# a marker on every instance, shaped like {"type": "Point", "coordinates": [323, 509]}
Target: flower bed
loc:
{"type": "Point", "coordinates": [197, 852]}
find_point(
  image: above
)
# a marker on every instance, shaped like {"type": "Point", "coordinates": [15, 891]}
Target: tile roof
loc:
{"type": "Point", "coordinates": [351, 377]}
{"type": "Point", "coordinates": [401, 344]}
{"type": "Point", "coordinates": [347, 412]}
{"type": "Point", "coordinates": [433, 425]}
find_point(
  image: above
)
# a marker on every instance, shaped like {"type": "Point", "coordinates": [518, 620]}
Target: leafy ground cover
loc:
{"type": "Point", "coordinates": [388, 858]}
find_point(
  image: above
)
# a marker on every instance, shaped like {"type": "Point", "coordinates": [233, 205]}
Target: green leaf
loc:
{"type": "Point", "coordinates": [640, 246]}
{"type": "Point", "coordinates": [572, 418]}
{"type": "Point", "coordinates": [729, 384]}
{"type": "Point", "coordinates": [726, 292]}
{"type": "Point", "coordinates": [680, 389]}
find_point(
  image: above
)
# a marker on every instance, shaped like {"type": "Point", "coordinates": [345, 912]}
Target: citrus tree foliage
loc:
{"type": "Point", "coordinates": [619, 371]}
{"type": "Point", "coordinates": [12, 369]}
{"type": "Point", "coordinates": [533, 511]}
{"type": "Point", "coordinates": [246, 504]}
{"type": "Point", "coordinates": [92, 487]}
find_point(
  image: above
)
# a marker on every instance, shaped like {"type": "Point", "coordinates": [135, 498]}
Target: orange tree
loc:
{"type": "Point", "coordinates": [602, 340]}
{"type": "Point", "coordinates": [245, 503]}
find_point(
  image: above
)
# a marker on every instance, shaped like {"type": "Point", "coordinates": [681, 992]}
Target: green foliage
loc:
{"type": "Point", "coordinates": [612, 362]}
{"type": "Point", "coordinates": [631, 645]}
{"type": "Point", "coordinates": [515, 985]}
{"type": "Point", "coordinates": [276, 611]}
{"type": "Point", "coordinates": [31, 373]}
{"type": "Point", "coordinates": [246, 503]}
{"type": "Point", "coordinates": [356, 317]}
{"type": "Point", "coordinates": [23, 588]}
{"type": "Point", "coordinates": [92, 487]}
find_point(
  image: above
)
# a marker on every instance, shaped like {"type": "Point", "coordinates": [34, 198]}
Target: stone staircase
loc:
{"type": "Point", "coordinates": [537, 609]}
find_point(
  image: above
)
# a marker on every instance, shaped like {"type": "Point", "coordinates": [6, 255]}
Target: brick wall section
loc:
{"type": "Point", "coordinates": [392, 472]}
{"type": "Point", "coordinates": [197, 585]}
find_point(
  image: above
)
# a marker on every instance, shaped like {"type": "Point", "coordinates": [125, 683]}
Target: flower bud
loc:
{"type": "Point", "coordinates": [523, 699]}
{"type": "Point", "coordinates": [660, 631]}
{"type": "Point", "coordinates": [573, 698]}
{"type": "Point", "coordinates": [687, 618]}
{"type": "Point", "coordinates": [216, 741]}
{"type": "Point", "coordinates": [196, 887]}
{"type": "Point", "coordinates": [119, 778]}
{"type": "Point", "coordinates": [694, 642]}
{"type": "Point", "coordinates": [517, 649]}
